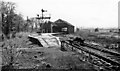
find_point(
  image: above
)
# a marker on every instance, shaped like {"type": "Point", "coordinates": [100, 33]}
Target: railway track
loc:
{"type": "Point", "coordinates": [102, 49]}
{"type": "Point", "coordinates": [114, 56]}
{"type": "Point", "coordinates": [108, 53]}
{"type": "Point", "coordinates": [107, 58]}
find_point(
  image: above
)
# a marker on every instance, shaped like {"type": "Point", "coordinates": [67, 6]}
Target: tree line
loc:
{"type": "Point", "coordinates": [10, 21]}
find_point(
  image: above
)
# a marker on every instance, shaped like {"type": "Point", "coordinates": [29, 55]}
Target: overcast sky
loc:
{"type": "Point", "coordinates": [80, 13]}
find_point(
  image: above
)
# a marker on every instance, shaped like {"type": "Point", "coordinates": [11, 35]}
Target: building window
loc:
{"type": "Point", "coordinates": [64, 29]}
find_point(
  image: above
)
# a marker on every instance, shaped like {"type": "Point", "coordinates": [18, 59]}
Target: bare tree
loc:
{"type": "Point", "coordinates": [7, 10]}
{"type": "Point", "coordinates": [10, 22]}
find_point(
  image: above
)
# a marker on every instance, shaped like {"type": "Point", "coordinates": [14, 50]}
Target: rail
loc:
{"type": "Point", "coordinates": [70, 45]}
{"type": "Point", "coordinates": [103, 49]}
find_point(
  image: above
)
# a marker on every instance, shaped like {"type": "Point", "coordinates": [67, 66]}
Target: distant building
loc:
{"type": "Point", "coordinates": [96, 30]}
{"type": "Point", "coordinates": [58, 26]}
{"type": "Point", "coordinates": [63, 26]}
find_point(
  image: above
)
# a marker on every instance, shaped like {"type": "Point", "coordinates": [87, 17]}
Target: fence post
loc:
{"type": "Point", "coordinates": [71, 43]}
{"type": "Point", "coordinates": [62, 45]}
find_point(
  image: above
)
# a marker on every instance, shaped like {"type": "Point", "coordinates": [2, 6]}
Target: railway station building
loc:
{"type": "Point", "coordinates": [59, 26]}
{"type": "Point", "coordinates": [63, 26]}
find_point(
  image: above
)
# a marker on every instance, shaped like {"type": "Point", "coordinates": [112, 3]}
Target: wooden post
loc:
{"type": "Point", "coordinates": [62, 45]}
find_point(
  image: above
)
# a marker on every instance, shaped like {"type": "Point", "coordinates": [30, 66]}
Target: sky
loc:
{"type": "Point", "coordinates": [80, 13]}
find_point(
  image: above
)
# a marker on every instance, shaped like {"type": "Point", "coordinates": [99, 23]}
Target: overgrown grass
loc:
{"type": "Point", "coordinates": [93, 36]}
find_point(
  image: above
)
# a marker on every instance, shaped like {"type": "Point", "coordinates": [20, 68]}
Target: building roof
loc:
{"type": "Point", "coordinates": [60, 22]}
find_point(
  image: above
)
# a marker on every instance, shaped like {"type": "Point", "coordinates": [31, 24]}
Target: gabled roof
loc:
{"type": "Point", "coordinates": [62, 21]}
